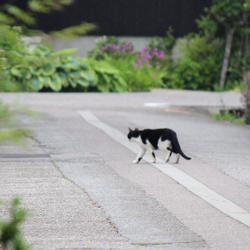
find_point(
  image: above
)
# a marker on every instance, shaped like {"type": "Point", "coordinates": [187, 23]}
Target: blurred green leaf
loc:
{"type": "Point", "coordinates": [19, 14]}
{"type": "Point", "coordinates": [55, 83]}
{"type": "Point", "coordinates": [11, 236]}
{"type": "Point", "coordinates": [6, 19]}
{"type": "Point", "coordinates": [36, 84]}
{"type": "Point", "coordinates": [74, 31]}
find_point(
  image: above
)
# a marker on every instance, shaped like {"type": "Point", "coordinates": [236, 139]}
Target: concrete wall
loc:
{"type": "Point", "coordinates": [85, 44]}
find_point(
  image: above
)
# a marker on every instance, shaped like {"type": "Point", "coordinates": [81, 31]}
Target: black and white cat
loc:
{"type": "Point", "coordinates": [156, 139]}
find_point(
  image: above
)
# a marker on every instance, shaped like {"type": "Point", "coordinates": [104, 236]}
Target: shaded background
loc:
{"type": "Point", "coordinates": [129, 17]}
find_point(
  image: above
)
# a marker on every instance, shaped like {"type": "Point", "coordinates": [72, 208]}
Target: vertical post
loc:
{"type": "Point", "coordinates": [227, 54]}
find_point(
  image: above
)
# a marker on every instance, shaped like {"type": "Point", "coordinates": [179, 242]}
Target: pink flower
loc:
{"type": "Point", "coordinates": [161, 55]}
{"type": "Point", "coordinates": [148, 57]}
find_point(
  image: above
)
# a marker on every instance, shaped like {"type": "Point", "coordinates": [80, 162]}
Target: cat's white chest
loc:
{"type": "Point", "coordinates": [138, 140]}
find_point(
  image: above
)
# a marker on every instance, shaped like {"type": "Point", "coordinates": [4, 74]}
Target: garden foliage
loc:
{"type": "Point", "coordinates": [11, 237]}
{"type": "Point", "coordinates": [192, 62]}
{"type": "Point", "coordinates": [55, 70]}
{"type": "Point", "coordinates": [136, 71]}
{"type": "Point", "coordinates": [195, 64]}
{"type": "Point", "coordinates": [112, 66]}
{"type": "Point", "coordinates": [198, 61]}
{"type": "Point", "coordinates": [228, 21]}
{"type": "Point", "coordinates": [12, 52]}
{"type": "Point", "coordinates": [41, 68]}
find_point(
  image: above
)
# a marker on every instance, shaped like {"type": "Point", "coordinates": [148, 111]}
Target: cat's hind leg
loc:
{"type": "Point", "coordinates": [177, 158]}
{"type": "Point", "coordinates": [140, 155]}
{"type": "Point", "coordinates": [153, 154]}
{"type": "Point", "coordinates": [168, 156]}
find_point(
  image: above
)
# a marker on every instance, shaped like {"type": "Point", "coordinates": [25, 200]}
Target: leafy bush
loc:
{"type": "Point", "coordinates": [120, 68]}
{"type": "Point", "coordinates": [228, 20]}
{"type": "Point", "coordinates": [122, 74]}
{"type": "Point", "coordinates": [55, 70]}
{"type": "Point", "coordinates": [41, 68]}
{"type": "Point", "coordinates": [195, 64]}
{"type": "Point", "coordinates": [12, 52]}
{"type": "Point", "coordinates": [10, 233]}
{"type": "Point", "coordinates": [165, 43]}
{"type": "Point", "coordinates": [144, 78]}
{"type": "Point", "coordinates": [137, 77]}
{"type": "Point", "coordinates": [228, 117]}
{"type": "Point", "coordinates": [107, 77]}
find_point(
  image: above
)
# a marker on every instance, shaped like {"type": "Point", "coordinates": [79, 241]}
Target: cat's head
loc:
{"type": "Point", "coordinates": [133, 133]}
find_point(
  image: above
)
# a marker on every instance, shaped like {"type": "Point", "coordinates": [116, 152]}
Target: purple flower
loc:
{"type": "Point", "coordinates": [115, 47]}
{"type": "Point", "coordinates": [161, 55]}
{"type": "Point", "coordinates": [104, 48]}
{"type": "Point", "coordinates": [148, 57]}
{"type": "Point", "coordinates": [118, 49]}
{"type": "Point", "coordinates": [144, 52]}
{"type": "Point", "coordinates": [155, 52]}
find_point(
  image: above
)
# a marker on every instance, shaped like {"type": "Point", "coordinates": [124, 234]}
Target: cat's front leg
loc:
{"type": "Point", "coordinates": [140, 155]}
{"type": "Point", "coordinates": [154, 158]}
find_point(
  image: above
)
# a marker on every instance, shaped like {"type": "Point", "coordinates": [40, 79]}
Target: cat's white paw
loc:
{"type": "Point", "coordinates": [135, 161]}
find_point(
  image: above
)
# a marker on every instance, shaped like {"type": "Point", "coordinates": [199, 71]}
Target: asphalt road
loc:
{"type": "Point", "coordinates": [83, 191]}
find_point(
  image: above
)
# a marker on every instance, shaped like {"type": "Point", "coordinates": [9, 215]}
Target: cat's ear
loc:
{"type": "Point", "coordinates": [130, 129]}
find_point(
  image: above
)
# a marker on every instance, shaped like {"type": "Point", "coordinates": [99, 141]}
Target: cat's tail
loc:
{"type": "Point", "coordinates": [177, 147]}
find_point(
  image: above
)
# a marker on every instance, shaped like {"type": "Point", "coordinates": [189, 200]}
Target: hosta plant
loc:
{"type": "Point", "coordinates": [55, 70]}
{"type": "Point", "coordinates": [107, 76]}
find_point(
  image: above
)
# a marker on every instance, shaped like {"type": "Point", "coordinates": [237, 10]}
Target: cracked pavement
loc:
{"type": "Point", "coordinates": [83, 192]}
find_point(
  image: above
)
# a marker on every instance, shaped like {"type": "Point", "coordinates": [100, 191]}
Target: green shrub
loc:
{"type": "Point", "coordinates": [228, 117]}
{"type": "Point", "coordinates": [138, 77]}
{"type": "Point", "coordinates": [186, 74]}
{"type": "Point", "coordinates": [11, 237]}
{"type": "Point", "coordinates": [145, 78]}
{"type": "Point", "coordinates": [55, 70]}
{"type": "Point", "coordinates": [107, 77]}
{"type": "Point", "coordinates": [195, 64]}
{"type": "Point", "coordinates": [165, 43]}
{"type": "Point", "coordinates": [41, 68]}
{"type": "Point", "coordinates": [12, 52]}
{"type": "Point", "coordinates": [119, 68]}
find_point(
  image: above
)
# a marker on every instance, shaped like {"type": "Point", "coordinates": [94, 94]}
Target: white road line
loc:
{"type": "Point", "coordinates": [216, 200]}
{"type": "Point", "coordinates": [156, 104]}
